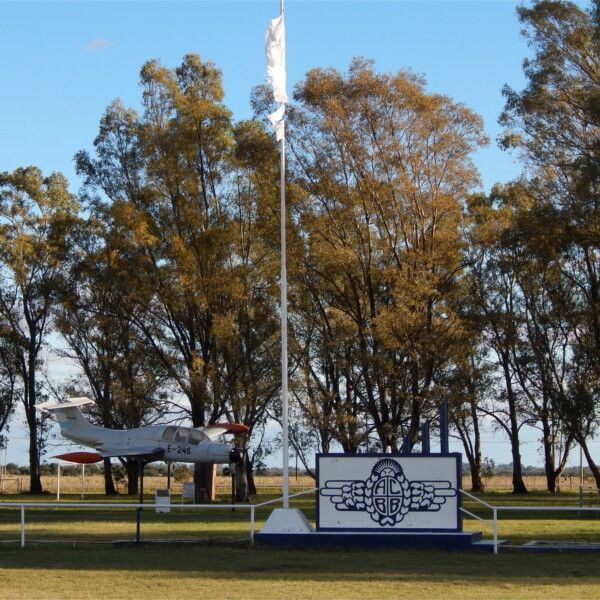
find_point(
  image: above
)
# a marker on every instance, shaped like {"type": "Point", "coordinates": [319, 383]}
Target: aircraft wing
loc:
{"type": "Point", "coordinates": [213, 431]}
{"type": "Point", "coordinates": [141, 451]}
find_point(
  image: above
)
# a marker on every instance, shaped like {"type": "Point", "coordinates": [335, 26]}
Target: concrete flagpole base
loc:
{"type": "Point", "coordinates": [287, 520]}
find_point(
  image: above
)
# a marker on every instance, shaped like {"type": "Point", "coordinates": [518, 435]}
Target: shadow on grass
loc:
{"type": "Point", "coordinates": [254, 563]}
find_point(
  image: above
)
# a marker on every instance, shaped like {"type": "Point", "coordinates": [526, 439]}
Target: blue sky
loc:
{"type": "Point", "coordinates": [64, 62]}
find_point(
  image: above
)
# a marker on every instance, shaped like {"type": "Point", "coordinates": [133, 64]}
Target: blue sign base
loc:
{"type": "Point", "coordinates": [459, 541]}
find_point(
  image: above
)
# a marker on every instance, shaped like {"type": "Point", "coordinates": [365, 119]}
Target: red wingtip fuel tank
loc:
{"type": "Point", "coordinates": [82, 458]}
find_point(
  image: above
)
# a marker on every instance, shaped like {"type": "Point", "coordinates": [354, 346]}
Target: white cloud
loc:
{"type": "Point", "coordinates": [98, 44]}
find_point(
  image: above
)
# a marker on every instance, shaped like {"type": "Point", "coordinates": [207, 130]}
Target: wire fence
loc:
{"type": "Point", "coordinates": [110, 522]}
{"type": "Point", "coordinates": [127, 522]}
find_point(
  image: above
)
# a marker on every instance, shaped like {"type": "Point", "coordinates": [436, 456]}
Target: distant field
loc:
{"type": "Point", "coordinates": [94, 484]}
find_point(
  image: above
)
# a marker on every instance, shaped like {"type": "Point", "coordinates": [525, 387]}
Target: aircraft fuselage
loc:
{"type": "Point", "coordinates": [179, 444]}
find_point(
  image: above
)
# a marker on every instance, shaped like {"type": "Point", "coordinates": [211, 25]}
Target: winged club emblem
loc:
{"type": "Point", "coordinates": [387, 495]}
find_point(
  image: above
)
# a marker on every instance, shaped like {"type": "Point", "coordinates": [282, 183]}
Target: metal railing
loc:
{"type": "Point", "coordinates": [22, 506]}
{"type": "Point", "coordinates": [504, 508]}
{"type": "Point", "coordinates": [493, 522]}
{"type": "Point", "coordinates": [252, 508]}
{"type": "Point", "coordinates": [110, 505]}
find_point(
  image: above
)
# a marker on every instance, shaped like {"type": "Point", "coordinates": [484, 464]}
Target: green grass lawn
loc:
{"type": "Point", "coordinates": [228, 567]}
{"type": "Point", "coordinates": [59, 571]}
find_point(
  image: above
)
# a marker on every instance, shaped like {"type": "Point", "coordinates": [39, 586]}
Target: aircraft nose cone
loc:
{"type": "Point", "coordinates": [236, 455]}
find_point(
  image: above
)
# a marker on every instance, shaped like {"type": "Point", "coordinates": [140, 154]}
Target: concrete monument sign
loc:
{"type": "Point", "coordinates": [388, 493]}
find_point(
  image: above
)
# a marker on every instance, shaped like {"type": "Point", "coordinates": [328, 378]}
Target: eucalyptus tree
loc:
{"type": "Point", "coordinates": [523, 299]}
{"type": "Point", "coordinates": [543, 358]}
{"type": "Point", "coordinates": [466, 385]}
{"type": "Point", "coordinates": [37, 219]}
{"type": "Point", "coordinates": [580, 408]}
{"type": "Point", "coordinates": [327, 385]}
{"type": "Point", "coordinates": [386, 167]}
{"type": "Point", "coordinates": [162, 175]}
{"type": "Point", "coordinates": [554, 123]}
{"type": "Point", "coordinates": [9, 388]}
{"type": "Point", "coordinates": [125, 379]}
{"type": "Point", "coordinates": [249, 342]}
{"type": "Point", "coordinates": [183, 228]}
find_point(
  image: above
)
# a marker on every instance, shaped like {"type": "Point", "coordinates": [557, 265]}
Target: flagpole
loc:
{"type": "Point", "coordinates": [284, 319]}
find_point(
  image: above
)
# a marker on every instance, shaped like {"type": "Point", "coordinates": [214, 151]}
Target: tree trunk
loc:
{"type": "Point", "coordinates": [472, 448]}
{"type": "Point", "coordinates": [476, 481]}
{"type": "Point", "coordinates": [203, 479]}
{"type": "Point", "coordinates": [549, 458]}
{"type": "Point", "coordinates": [551, 479]}
{"type": "Point", "coordinates": [241, 480]}
{"type": "Point", "coordinates": [475, 469]}
{"type": "Point", "coordinates": [109, 484]}
{"type": "Point", "coordinates": [415, 421]}
{"type": "Point", "coordinates": [591, 464]}
{"type": "Point", "coordinates": [250, 477]}
{"type": "Point", "coordinates": [519, 486]}
{"type": "Point", "coordinates": [133, 472]}
{"type": "Point", "coordinates": [35, 480]}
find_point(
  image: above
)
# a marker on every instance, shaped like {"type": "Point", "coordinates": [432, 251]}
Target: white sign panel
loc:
{"type": "Point", "coordinates": [163, 501]}
{"type": "Point", "coordinates": [385, 492]}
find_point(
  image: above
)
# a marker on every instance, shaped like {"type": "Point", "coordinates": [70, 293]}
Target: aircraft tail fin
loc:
{"type": "Point", "coordinates": [68, 414]}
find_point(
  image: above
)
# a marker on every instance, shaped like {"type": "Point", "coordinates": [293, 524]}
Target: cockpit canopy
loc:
{"type": "Point", "coordinates": [183, 435]}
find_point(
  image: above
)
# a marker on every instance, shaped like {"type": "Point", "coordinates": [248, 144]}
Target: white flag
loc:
{"type": "Point", "coordinates": [278, 122]}
{"type": "Point", "coordinates": [275, 47]}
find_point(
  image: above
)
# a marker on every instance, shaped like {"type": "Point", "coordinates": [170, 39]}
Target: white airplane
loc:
{"type": "Point", "coordinates": [153, 442]}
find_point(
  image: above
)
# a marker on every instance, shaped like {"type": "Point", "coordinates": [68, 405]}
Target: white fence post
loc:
{"type": "Point", "coordinates": [252, 524]}
{"type": "Point", "coordinates": [495, 531]}
{"type": "Point", "coordinates": [22, 526]}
